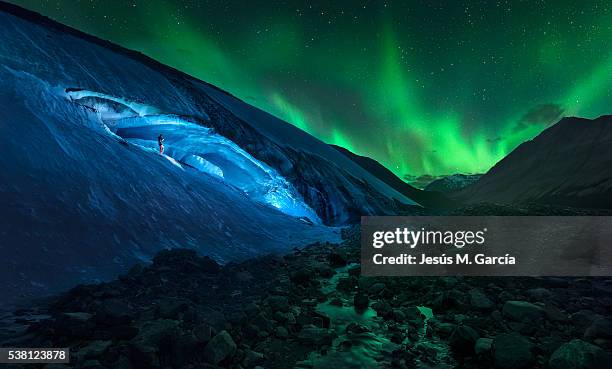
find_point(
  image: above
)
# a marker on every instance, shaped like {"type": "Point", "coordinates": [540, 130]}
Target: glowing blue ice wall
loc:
{"type": "Point", "coordinates": [190, 145]}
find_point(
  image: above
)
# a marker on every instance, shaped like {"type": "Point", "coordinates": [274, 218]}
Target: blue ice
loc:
{"type": "Point", "coordinates": [195, 146]}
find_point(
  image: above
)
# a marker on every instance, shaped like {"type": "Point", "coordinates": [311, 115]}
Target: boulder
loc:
{"type": "Point", "coordinates": [143, 356]}
{"type": "Point", "coordinates": [321, 320]}
{"type": "Point", "coordinates": [281, 332]}
{"type": "Point", "coordinates": [203, 332]}
{"type": "Point", "coordinates": [463, 339]}
{"type": "Point", "coordinates": [355, 271]}
{"type": "Point", "coordinates": [169, 308]}
{"type": "Point", "coordinates": [578, 354]}
{"type": "Point", "coordinates": [512, 351]}
{"type": "Point", "coordinates": [383, 309]}
{"type": "Point", "coordinates": [153, 332]}
{"type": "Point", "coordinates": [262, 322]}
{"type": "Point", "coordinates": [398, 315]}
{"type": "Point", "coordinates": [252, 358]}
{"type": "Point", "coordinates": [181, 349]}
{"type": "Point", "coordinates": [522, 310]}
{"type": "Point", "coordinates": [480, 301]}
{"type": "Point", "coordinates": [483, 346]}
{"type": "Point", "coordinates": [251, 309]}
{"type": "Point", "coordinates": [600, 328]}
{"type": "Point", "coordinates": [444, 330]}
{"type": "Point", "coordinates": [74, 324]}
{"type": "Point", "coordinates": [539, 294]}
{"type": "Point", "coordinates": [554, 314]}
{"type": "Point", "coordinates": [214, 318]}
{"type": "Point", "coordinates": [376, 288]}
{"type": "Point", "coordinates": [94, 350]}
{"type": "Point", "coordinates": [113, 311]}
{"type": "Point", "coordinates": [583, 319]}
{"type": "Point", "coordinates": [219, 348]}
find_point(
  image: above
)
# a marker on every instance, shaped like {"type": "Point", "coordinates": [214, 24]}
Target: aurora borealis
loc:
{"type": "Point", "coordinates": [434, 87]}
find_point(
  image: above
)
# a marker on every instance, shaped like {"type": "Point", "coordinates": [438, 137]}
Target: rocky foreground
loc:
{"type": "Point", "coordinates": [312, 309]}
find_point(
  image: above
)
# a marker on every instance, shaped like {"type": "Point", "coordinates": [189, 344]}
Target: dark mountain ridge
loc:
{"type": "Point", "coordinates": [431, 199]}
{"type": "Point", "coordinates": [569, 164]}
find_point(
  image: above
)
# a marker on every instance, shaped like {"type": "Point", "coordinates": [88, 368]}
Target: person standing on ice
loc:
{"type": "Point", "coordinates": [160, 142]}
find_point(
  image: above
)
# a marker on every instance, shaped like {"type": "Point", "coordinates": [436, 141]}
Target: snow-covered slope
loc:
{"type": "Point", "coordinates": [84, 193]}
{"type": "Point", "coordinates": [569, 163]}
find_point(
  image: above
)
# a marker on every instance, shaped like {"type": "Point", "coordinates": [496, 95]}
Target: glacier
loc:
{"type": "Point", "coordinates": [196, 146]}
{"type": "Point", "coordinates": [85, 194]}
{"type": "Point", "coordinates": [82, 204]}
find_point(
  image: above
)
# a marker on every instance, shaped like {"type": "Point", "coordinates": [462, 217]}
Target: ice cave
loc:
{"type": "Point", "coordinates": [192, 146]}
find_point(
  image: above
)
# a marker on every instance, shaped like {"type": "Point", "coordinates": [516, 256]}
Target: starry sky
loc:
{"type": "Point", "coordinates": [424, 87]}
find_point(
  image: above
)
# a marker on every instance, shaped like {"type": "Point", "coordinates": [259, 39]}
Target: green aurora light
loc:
{"type": "Point", "coordinates": [423, 87]}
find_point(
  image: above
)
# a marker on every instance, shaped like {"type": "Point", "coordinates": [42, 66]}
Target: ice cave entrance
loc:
{"type": "Point", "coordinates": [192, 145]}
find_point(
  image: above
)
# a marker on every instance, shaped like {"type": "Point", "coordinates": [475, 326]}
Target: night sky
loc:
{"type": "Point", "coordinates": [428, 87]}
